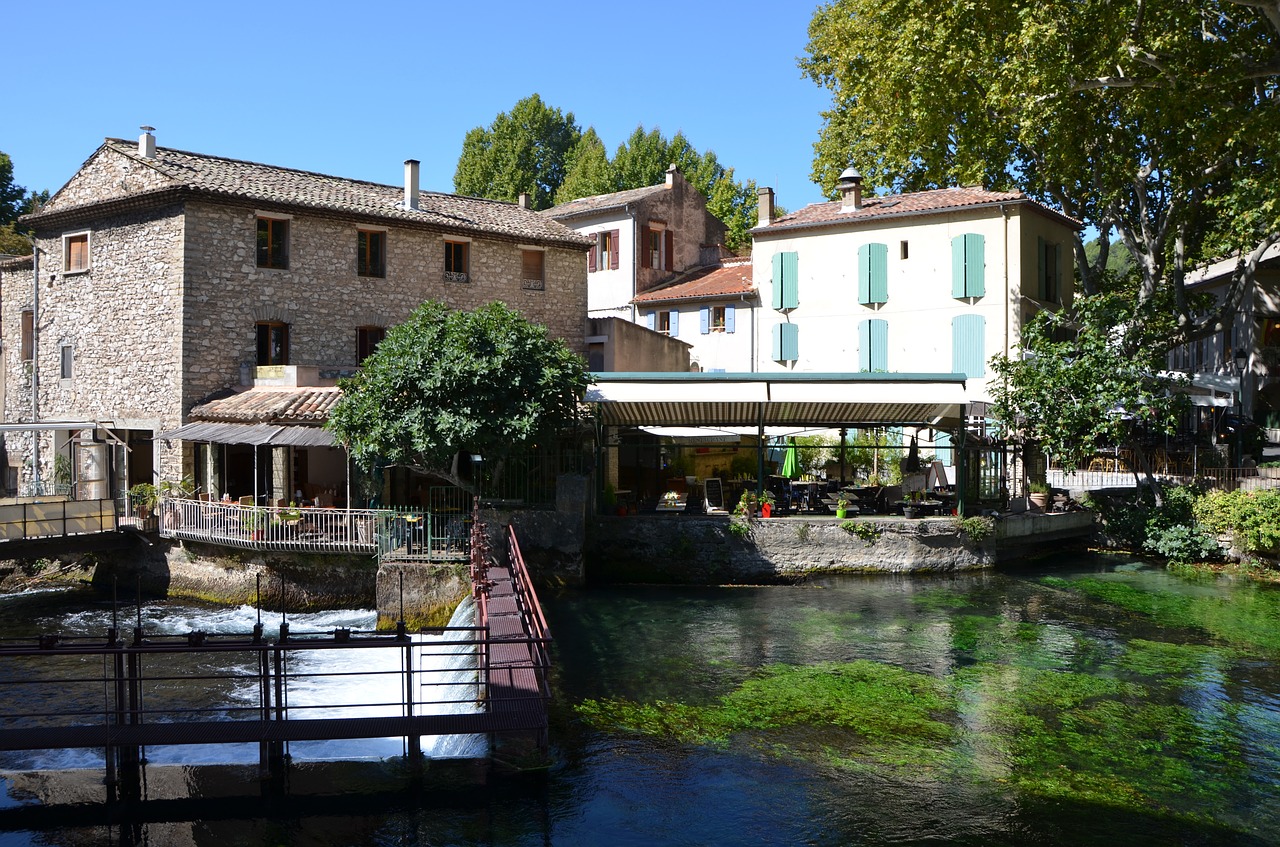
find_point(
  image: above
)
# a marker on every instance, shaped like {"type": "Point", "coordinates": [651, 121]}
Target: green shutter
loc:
{"type": "Point", "coordinates": [790, 280]}
{"type": "Point", "coordinates": [864, 345]}
{"type": "Point", "coordinates": [968, 336]}
{"type": "Point", "coordinates": [878, 255]}
{"type": "Point", "coordinates": [942, 447]}
{"type": "Point", "coordinates": [786, 342]}
{"type": "Point", "coordinates": [776, 280]}
{"type": "Point", "coordinates": [864, 274]}
{"type": "Point", "coordinates": [975, 265]}
{"type": "Point", "coordinates": [873, 345]}
{"type": "Point", "coordinates": [1040, 280]}
{"type": "Point", "coordinates": [957, 266]}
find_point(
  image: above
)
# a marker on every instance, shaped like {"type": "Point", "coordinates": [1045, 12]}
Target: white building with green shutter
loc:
{"type": "Point", "coordinates": [927, 282]}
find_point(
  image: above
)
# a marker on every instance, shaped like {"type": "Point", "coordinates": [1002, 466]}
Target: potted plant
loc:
{"type": "Point", "coordinates": [1038, 495]}
{"type": "Point", "coordinates": [911, 507]}
{"type": "Point", "coordinates": [145, 497]}
{"type": "Point", "coordinates": [766, 504]}
{"type": "Point", "coordinates": [255, 520]}
{"type": "Point", "coordinates": [842, 506]}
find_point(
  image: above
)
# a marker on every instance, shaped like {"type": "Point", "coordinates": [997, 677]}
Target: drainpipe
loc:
{"type": "Point", "coordinates": [35, 361]}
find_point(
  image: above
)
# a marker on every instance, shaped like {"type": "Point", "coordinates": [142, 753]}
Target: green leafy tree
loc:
{"type": "Point", "coordinates": [1085, 384]}
{"type": "Point", "coordinates": [1152, 120]}
{"type": "Point", "coordinates": [588, 171]}
{"type": "Point", "coordinates": [13, 242]}
{"type": "Point", "coordinates": [486, 381]}
{"type": "Point", "coordinates": [521, 151]}
{"type": "Point", "coordinates": [13, 198]}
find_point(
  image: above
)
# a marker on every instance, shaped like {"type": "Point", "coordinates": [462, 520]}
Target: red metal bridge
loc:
{"type": "Point", "coordinates": [123, 694]}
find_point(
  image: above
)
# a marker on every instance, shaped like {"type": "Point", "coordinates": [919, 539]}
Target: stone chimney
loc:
{"type": "Point", "coordinates": [850, 185]}
{"type": "Point", "coordinates": [147, 143]}
{"type": "Point", "coordinates": [764, 206]}
{"type": "Point", "coordinates": [672, 170]}
{"type": "Point", "coordinates": [523, 202]}
{"type": "Point", "coordinates": [411, 183]}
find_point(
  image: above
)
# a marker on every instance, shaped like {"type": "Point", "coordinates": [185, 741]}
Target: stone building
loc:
{"type": "Point", "coordinates": [166, 277]}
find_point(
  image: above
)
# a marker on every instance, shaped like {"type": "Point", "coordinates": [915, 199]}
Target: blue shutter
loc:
{"type": "Point", "coordinates": [864, 274]}
{"type": "Point", "coordinates": [776, 280]}
{"type": "Point", "coordinates": [675, 322]}
{"type": "Point", "coordinates": [652, 320]}
{"type": "Point", "coordinates": [878, 256]}
{"type": "Point", "coordinates": [728, 318]}
{"type": "Point", "coordinates": [957, 266]}
{"type": "Point", "coordinates": [968, 336]}
{"type": "Point", "coordinates": [864, 346]}
{"type": "Point", "coordinates": [704, 320]}
{"type": "Point", "coordinates": [942, 447]}
{"type": "Point", "coordinates": [975, 265]}
{"type": "Point", "coordinates": [790, 280]}
{"type": "Point", "coordinates": [873, 345]}
{"type": "Point", "coordinates": [786, 342]}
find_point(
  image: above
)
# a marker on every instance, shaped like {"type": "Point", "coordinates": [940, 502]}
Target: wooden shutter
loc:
{"type": "Point", "coordinates": [644, 247]}
{"type": "Point", "coordinates": [674, 323]}
{"type": "Point", "coordinates": [669, 249]}
{"type": "Point", "coordinates": [775, 281]}
{"type": "Point", "coordinates": [957, 266]}
{"type": "Point", "coordinates": [652, 320]}
{"type": "Point", "coordinates": [704, 320]}
{"type": "Point", "coordinates": [1040, 280]}
{"type": "Point", "coordinates": [864, 274]}
{"type": "Point", "coordinates": [975, 265]}
{"type": "Point", "coordinates": [613, 249]}
{"type": "Point", "coordinates": [968, 334]}
{"type": "Point", "coordinates": [878, 260]}
{"type": "Point", "coordinates": [790, 280]}
{"type": "Point", "coordinates": [873, 345]}
{"type": "Point", "coordinates": [591, 260]}
{"type": "Point", "coordinates": [786, 342]}
{"type": "Point", "coordinates": [728, 318]}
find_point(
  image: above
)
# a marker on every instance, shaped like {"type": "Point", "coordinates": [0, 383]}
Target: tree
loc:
{"type": "Point", "coordinates": [13, 198]}
{"type": "Point", "coordinates": [587, 172]}
{"type": "Point", "coordinates": [1080, 388]}
{"type": "Point", "coordinates": [486, 381]}
{"type": "Point", "coordinates": [1153, 120]}
{"type": "Point", "coordinates": [524, 151]}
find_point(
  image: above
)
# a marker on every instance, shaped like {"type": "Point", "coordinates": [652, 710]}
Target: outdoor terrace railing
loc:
{"type": "Point", "coordinates": [299, 529]}
{"type": "Point", "coordinates": [417, 535]}
{"type": "Point", "coordinates": [1226, 479]}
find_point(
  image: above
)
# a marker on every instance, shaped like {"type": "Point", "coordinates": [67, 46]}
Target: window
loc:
{"type": "Point", "coordinates": [273, 243]}
{"type": "Point", "coordinates": [457, 261]}
{"type": "Point", "coordinates": [28, 334]}
{"type": "Point", "coordinates": [371, 253]}
{"type": "Point", "coordinates": [786, 291]}
{"type": "Point", "coordinates": [273, 343]}
{"type": "Point", "coordinates": [902, 250]}
{"type": "Point", "coordinates": [604, 255]}
{"type": "Point", "coordinates": [1047, 272]}
{"type": "Point", "coordinates": [657, 248]}
{"type": "Point", "coordinates": [786, 342]}
{"type": "Point", "coordinates": [367, 340]}
{"type": "Point", "coordinates": [873, 274]}
{"type": "Point", "coordinates": [968, 265]}
{"type": "Point", "coordinates": [531, 269]}
{"type": "Point", "coordinates": [66, 357]}
{"type": "Point", "coordinates": [75, 252]}
{"type": "Point", "coordinates": [968, 337]}
{"type": "Point", "coordinates": [873, 345]}
{"type": "Point", "coordinates": [666, 322]}
{"type": "Point", "coordinates": [1271, 332]}
{"type": "Point", "coordinates": [716, 319]}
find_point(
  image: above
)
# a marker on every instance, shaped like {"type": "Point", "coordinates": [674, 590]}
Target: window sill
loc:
{"type": "Point", "coordinates": [533, 285]}
{"type": "Point", "coordinates": [79, 272]}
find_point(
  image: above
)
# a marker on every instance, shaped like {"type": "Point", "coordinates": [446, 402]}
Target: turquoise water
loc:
{"type": "Point", "coordinates": [1095, 701]}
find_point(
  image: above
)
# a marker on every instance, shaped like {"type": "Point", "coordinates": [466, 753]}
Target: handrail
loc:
{"type": "Point", "coordinates": [307, 529]}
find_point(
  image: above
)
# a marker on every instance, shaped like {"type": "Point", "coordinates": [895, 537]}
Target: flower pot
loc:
{"type": "Point", "coordinates": [1039, 501]}
{"type": "Point", "coordinates": [840, 513]}
{"type": "Point", "coordinates": [911, 512]}
{"type": "Point", "coordinates": [766, 510]}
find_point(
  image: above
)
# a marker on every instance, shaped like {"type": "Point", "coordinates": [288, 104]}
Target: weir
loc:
{"type": "Point", "coordinates": [116, 693]}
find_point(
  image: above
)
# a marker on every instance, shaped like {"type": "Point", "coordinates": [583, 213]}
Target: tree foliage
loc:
{"type": "Point", "coordinates": [588, 172]}
{"type": "Point", "coordinates": [1152, 120]}
{"type": "Point", "coordinates": [487, 381]}
{"type": "Point", "coordinates": [14, 201]}
{"type": "Point", "coordinates": [1086, 383]}
{"type": "Point", "coordinates": [525, 150]}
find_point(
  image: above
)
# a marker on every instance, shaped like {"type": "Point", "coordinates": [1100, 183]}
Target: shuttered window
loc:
{"type": "Point", "coordinates": [786, 342]}
{"type": "Point", "coordinates": [873, 274]}
{"type": "Point", "coordinates": [1047, 272]}
{"type": "Point", "coordinates": [75, 252]}
{"type": "Point", "coordinates": [873, 345]}
{"type": "Point", "coordinates": [968, 336]}
{"type": "Point", "coordinates": [968, 265]}
{"type": "Point", "coordinates": [785, 282]}
{"type": "Point", "coordinates": [531, 269]}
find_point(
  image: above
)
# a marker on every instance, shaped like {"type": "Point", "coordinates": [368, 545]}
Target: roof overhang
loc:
{"type": "Point", "coordinates": [789, 399]}
{"type": "Point", "coordinates": [276, 435]}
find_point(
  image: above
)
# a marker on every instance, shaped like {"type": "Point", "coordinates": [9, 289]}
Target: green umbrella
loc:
{"type": "Point", "coordinates": [789, 468]}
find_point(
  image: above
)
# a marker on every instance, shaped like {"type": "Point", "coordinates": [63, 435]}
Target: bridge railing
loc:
{"type": "Point", "coordinates": [312, 529]}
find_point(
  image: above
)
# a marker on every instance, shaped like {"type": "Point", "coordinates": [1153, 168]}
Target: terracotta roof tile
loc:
{"type": "Point", "coordinates": [254, 182]}
{"type": "Point", "coordinates": [271, 405]}
{"type": "Point", "coordinates": [731, 279]}
{"type": "Point", "coordinates": [916, 203]}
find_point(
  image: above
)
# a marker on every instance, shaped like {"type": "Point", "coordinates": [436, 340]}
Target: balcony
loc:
{"type": "Point", "coordinates": [249, 527]}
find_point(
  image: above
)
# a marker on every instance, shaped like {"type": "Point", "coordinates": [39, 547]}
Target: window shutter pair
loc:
{"type": "Point", "coordinates": [873, 345]}
{"type": "Point", "coordinates": [968, 265]}
{"type": "Point", "coordinates": [704, 319]}
{"type": "Point", "coordinates": [786, 342]}
{"type": "Point", "coordinates": [786, 271]}
{"type": "Point", "coordinates": [968, 335]}
{"type": "Point", "coordinates": [873, 274]}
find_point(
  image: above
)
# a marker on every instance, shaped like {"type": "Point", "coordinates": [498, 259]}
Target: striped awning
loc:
{"type": "Point", "coordinates": [275, 435]}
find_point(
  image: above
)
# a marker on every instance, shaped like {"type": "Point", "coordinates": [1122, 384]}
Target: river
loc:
{"type": "Point", "coordinates": [1091, 701]}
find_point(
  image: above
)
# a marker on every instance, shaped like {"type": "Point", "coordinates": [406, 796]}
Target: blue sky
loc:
{"type": "Point", "coordinates": [355, 89]}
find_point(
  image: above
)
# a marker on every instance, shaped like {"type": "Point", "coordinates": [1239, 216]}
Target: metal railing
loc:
{"type": "Point", "coordinates": [407, 534]}
{"type": "Point", "coordinates": [310, 529]}
{"type": "Point", "coordinates": [1226, 479]}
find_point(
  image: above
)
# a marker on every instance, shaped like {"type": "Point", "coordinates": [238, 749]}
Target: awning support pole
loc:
{"type": "Point", "coordinates": [760, 453]}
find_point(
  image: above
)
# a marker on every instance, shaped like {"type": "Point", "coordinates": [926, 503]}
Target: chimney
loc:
{"type": "Point", "coordinates": [523, 202]}
{"type": "Point", "coordinates": [850, 185]}
{"type": "Point", "coordinates": [765, 206]}
{"type": "Point", "coordinates": [672, 170]}
{"type": "Point", "coordinates": [147, 143]}
{"type": "Point", "coordinates": [411, 183]}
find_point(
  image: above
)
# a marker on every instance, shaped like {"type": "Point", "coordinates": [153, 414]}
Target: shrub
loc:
{"type": "Point", "coordinates": [1183, 544]}
{"type": "Point", "coordinates": [868, 532]}
{"type": "Point", "coordinates": [977, 527]}
{"type": "Point", "coordinates": [1252, 517]}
